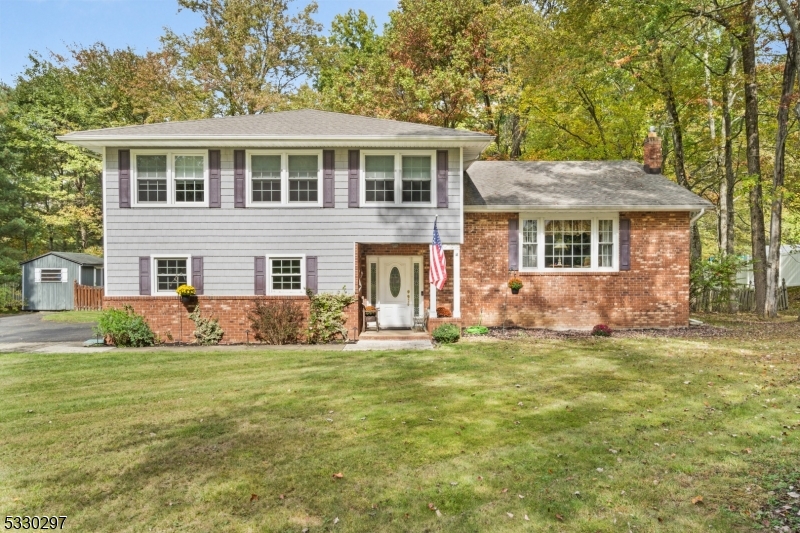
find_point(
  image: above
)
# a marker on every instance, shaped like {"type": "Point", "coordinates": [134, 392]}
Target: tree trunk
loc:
{"type": "Point", "coordinates": [757, 230]}
{"type": "Point", "coordinates": [773, 272]}
{"type": "Point", "coordinates": [670, 102]}
{"type": "Point", "coordinates": [726, 186]}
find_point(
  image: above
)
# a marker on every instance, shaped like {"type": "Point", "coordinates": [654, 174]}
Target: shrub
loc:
{"type": "Point", "coordinates": [206, 330]}
{"type": "Point", "coordinates": [327, 318]}
{"type": "Point", "coordinates": [477, 330]}
{"type": "Point", "coordinates": [712, 283]}
{"type": "Point", "coordinates": [601, 330]}
{"type": "Point", "coordinates": [276, 321]}
{"type": "Point", "coordinates": [443, 312]}
{"type": "Point", "coordinates": [123, 327]}
{"type": "Point", "coordinates": [9, 299]}
{"type": "Point", "coordinates": [186, 290]}
{"type": "Point", "coordinates": [446, 334]}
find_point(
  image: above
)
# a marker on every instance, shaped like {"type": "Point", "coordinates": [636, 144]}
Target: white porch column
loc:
{"type": "Point", "coordinates": [456, 281]}
{"type": "Point", "coordinates": [432, 311]}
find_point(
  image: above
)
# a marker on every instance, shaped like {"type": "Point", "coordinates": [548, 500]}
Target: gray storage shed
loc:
{"type": "Point", "coordinates": [48, 280]}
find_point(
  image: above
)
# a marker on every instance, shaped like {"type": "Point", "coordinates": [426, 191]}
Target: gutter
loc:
{"type": "Point", "coordinates": [590, 207]}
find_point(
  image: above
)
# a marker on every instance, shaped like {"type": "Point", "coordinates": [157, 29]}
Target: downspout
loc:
{"type": "Point", "coordinates": [697, 216]}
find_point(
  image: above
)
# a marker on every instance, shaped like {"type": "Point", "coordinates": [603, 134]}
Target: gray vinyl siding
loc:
{"type": "Point", "coordinates": [49, 296]}
{"type": "Point", "coordinates": [228, 238]}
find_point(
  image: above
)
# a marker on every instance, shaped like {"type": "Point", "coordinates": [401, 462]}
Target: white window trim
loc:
{"type": "Point", "coordinates": [302, 291]}
{"type": "Point", "coordinates": [154, 272]}
{"type": "Point", "coordinates": [170, 178]}
{"type": "Point", "coordinates": [398, 178]}
{"type": "Point", "coordinates": [540, 217]}
{"type": "Point", "coordinates": [284, 179]}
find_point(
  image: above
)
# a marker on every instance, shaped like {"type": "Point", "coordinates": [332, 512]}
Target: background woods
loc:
{"type": "Point", "coordinates": [550, 79]}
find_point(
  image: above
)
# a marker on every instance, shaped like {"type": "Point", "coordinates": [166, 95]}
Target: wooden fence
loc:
{"type": "Point", "coordinates": [745, 296]}
{"type": "Point", "coordinates": [87, 298]}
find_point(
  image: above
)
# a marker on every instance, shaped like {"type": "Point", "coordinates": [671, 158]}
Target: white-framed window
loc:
{"type": "Point", "coordinates": [286, 274]}
{"type": "Point", "coordinates": [170, 272]}
{"type": "Point", "coordinates": [169, 178]}
{"type": "Point", "coordinates": [284, 178]}
{"type": "Point", "coordinates": [51, 275]}
{"type": "Point", "coordinates": [558, 242]}
{"type": "Point", "coordinates": [398, 178]}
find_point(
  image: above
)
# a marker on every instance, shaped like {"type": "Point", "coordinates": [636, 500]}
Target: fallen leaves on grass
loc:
{"type": "Point", "coordinates": [559, 517]}
{"type": "Point", "coordinates": [697, 500]}
{"type": "Point", "coordinates": [338, 475]}
{"type": "Point", "coordinates": [253, 497]}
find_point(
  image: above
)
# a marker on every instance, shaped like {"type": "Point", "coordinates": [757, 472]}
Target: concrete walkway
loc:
{"type": "Point", "coordinates": [389, 339]}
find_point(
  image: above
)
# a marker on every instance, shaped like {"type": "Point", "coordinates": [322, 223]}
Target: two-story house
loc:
{"type": "Point", "coordinates": [265, 206]}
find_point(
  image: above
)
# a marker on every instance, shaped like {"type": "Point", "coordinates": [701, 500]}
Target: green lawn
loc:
{"type": "Point", "coordinates": [74, 317]}
{"type": "Point", "coordinates": [580, 435]}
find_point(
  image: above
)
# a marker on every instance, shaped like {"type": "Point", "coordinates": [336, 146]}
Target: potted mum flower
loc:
{"type": "Point", "coordinates": [515, 284]}
{"type": "Point", "coordinates": [187, 294]}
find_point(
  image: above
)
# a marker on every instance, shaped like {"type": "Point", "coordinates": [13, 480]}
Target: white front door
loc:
{"type": "Point", "coordinates": [395, 286]}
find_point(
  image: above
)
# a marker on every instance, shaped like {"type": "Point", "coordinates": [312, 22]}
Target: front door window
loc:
{"type": "Point", "coordinates": [394, 282]}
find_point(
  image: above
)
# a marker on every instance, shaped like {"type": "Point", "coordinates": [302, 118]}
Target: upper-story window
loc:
{"type": "Point", "coordinates": [569, 242]}
{"type": "Point", "coordinates": [284, 178]}
{"type": "Point", "coordinates": [398, 178]}
{"type": "Point", "coordinates": [170, 178]}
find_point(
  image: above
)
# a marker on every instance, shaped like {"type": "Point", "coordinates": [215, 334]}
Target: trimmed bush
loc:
{"type": "Point", "coordinates": [276, 321]}
{"type": "Point", "coordinates": [123, 327]}
{"type": "Point", "coordinates": [446, 334]}
{"type": "Point", "coordinates": [477, 330]}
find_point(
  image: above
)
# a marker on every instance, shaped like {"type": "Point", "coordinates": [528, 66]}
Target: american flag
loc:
{"type": "Point", "coordinates": [438, 271]}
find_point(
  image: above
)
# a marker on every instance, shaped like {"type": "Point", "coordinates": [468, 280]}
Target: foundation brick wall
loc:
{"type": "Point", "coordinates": [654, 293]}
{"type": "Point", "coordinates": [168, 317]}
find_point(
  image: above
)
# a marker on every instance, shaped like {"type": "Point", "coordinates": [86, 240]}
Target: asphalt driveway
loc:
{"type": "Point", "coordinates": [29, 327]}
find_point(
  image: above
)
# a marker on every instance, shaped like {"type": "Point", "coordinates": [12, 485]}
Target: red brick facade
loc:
{"type": "Point", "coordinates": [169, 318]}
{"type": "Point", "coordinates": [654, 293]}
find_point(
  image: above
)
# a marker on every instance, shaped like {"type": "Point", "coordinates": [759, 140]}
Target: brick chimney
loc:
{"type": "Point", "coordinates": [652, 152]}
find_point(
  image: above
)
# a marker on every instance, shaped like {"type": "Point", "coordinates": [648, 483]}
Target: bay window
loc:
{"type": "Point", "coordinates": [569, 242]}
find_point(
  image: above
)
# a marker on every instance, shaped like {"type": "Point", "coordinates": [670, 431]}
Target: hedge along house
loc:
{"type": "Point", "coordinates": [48, 281]}
{"type": "Point", "coordinates": [263, 206]}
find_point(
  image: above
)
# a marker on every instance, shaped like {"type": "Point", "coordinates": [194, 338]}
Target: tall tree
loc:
{"type": "Point", "coordinates": [249, 56]}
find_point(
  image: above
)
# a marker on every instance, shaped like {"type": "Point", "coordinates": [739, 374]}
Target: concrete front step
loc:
{"type": "Point", "coordinates": [394, 335]}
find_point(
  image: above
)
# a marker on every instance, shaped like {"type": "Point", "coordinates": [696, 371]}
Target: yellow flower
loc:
{"type": "Point", "coordinates": [185, 290]}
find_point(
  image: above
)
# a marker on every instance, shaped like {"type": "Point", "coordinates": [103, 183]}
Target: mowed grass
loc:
{"type": "Point", "coordinates": [582, 435]}
{"type": "Point", "coordinates": [73, 317]}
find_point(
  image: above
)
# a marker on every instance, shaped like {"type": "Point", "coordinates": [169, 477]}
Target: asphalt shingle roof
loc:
{"type": "Point", "coordinates": [573, 184]}
{"type": "Point", "coordinates": [81, 259]}
{"type": "Point", "coordinates": [298, 123]}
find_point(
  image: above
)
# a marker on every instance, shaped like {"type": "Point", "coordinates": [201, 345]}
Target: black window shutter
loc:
{"type": "Point", "coordinates": [624, 244]}
{"type": "Point", "coordinates": [238, 178]}
{"type": "Point", "coordinates": [328, 178]}
{"type": "Point", "coordinates": [513, 244]}
{"type": "Point", "coordinates": [441, 178]}
{"type": "Point", "coordinates": [353, 163]}
{"type": "Point", "coordinates": [124, 157]}
{"type": "Point", "coordinates": [144, 276]}
{"type": "Point", "coordinates": [261, 276]}
{"type": "Point", "coordinates": [311, 273]}
{"type": "Point", "coordinates": [214, 179]}
{"type": "Point", "coordinates": [197, 274]}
